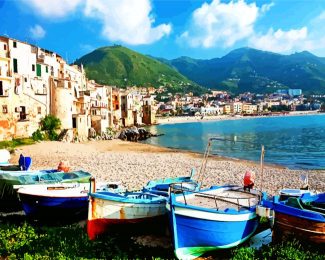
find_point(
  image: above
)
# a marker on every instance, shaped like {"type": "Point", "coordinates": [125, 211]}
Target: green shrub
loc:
{"type": "Point", "coordinates": [49, 124]}
{"type": "Point", "coordinates": [38, 135]}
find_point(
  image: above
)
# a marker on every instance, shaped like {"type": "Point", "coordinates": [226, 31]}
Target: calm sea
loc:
{"type": "Point", "coordinates": [297, 142]}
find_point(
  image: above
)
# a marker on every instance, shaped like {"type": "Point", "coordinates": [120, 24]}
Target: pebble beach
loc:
{"type": "Point", "coordinates": [134, 164]}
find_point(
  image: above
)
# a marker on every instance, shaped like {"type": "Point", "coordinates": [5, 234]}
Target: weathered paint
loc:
{"type": "Point", "coordinates": [304, 229]}
{"type": "Point", "coordinates": [106, 213]}
{"type": "Point", "coordinates": [4, 124]}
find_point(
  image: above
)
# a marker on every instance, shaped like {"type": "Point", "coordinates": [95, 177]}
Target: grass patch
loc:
{"type": "Point", "coordinates": [29, 241]}
{"type": "Point", "coordinates": [16, 142]}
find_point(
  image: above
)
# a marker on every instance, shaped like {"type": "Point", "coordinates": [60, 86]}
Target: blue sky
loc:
{"type": "Point", "coordinates": [167, 28]}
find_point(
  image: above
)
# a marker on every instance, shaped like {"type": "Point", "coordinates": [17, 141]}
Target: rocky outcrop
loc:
{"type": "Point", "coordinates": [135, 134]}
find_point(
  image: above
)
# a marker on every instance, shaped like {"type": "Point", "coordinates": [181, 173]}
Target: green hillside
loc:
{"type": "Point", "coordinates": [120, 66]}
{"type": "Point", "coordinates": [257, 71]}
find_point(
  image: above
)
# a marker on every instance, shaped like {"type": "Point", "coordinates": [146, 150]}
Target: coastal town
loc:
{"type": "Point", "coordinates": [159, 129]}
{"type": "Point", "coordinates": [35, 82]}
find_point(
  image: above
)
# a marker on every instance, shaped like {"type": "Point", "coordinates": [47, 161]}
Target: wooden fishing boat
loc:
{"type": "Point", "coordinates": [59, 201]}
{"type": "Point", "coordinates": [216, 218]}
{"type": "Point", "coordinates": [24, 164]}
{"type": "Point", "coordinates": [108, 209]}
{"type": "Point", "coordinates": [8, 195]}
{"type": "Point", "coordinates": [302, 218]}
{"type": "Point", "coordinates": [161, 186]}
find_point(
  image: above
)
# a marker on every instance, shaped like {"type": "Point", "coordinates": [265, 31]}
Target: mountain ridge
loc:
{"type": "Point", "coordinates": [118, 65]}
{"type": "Point", "coordinates": [248, 69]}
{"type": "Point", "coordinates": [241, 70]}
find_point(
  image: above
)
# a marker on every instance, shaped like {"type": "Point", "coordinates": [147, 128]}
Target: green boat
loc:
{"type": "Point", "coordinates": [8, 196]}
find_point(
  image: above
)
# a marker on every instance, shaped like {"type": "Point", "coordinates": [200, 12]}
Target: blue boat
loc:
{"type": "Point", "coordinates": [24, 164]}
{"type": "Point", "coordinates": [216, 218]}
{"type": "Point", "coordinates": [209, 219]}
{"type": "Point", "coordinates": [8, 195]}
{"type": "Point", "coordinates": [60, 201]}
{"type": "Point", "coordinates": [300, 217]}
{"type": "Point", "coordinates": [161, 186]}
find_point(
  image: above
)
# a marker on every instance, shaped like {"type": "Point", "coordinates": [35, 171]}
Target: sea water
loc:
{"type": "Point", "coordinates": [296, 142]}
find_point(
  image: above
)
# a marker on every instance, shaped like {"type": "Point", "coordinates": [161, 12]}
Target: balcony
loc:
{"type": "Point", "coordinates": [41, 58]}
{"type": "Point", "coordinates": [41, 92]}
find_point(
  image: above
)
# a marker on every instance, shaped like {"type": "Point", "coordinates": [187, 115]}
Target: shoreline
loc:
{"type": "Point", "coordinates": [134, 164]}
{"type": "Point", "coordinates": [193, 119]}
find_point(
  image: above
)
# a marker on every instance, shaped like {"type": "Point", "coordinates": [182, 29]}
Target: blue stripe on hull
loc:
{"type": "Point", "coordinates": [46, 206]}
{"type": "Point", "coordinates": [193, 232]}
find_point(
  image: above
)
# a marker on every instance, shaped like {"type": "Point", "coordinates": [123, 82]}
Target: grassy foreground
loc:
{"type": "Point", "coordinates": [27, 241]}
{"type": "Point", "coordinates": [10, 145]}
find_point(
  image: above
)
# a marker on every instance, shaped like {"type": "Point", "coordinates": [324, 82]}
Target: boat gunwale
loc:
{"type": "Point", "coordinates": [116, 197]}
{"type": "Point", "coordinates": [243, 209]}
{"type": "Point", "coordinates": [299, 213]}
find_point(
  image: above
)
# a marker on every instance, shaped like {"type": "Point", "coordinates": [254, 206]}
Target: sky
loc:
{"type": "Point", "coordinates": [166, 28]}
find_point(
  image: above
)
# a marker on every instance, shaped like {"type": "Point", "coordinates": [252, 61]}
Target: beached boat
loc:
{"type": "Point", "coordinates": [161, 186]}
{"type": "Point", "coordinates": [108, 209]}
{"type": "Point", "coordinates": [59, 201]}
{"type": "Point", "coordinates": [24, 164]}
{"type": "Point", "coordinates": [8, 195]}
{"type": "Point", "coordinates": [300, 217]}
{"type": "Point", "coordinates": [216, 218]}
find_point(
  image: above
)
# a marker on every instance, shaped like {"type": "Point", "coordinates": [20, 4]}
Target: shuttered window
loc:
{"type": "Point", "coordinates": [15, 66]}
{"type": "Point", "coordinates": [38, 70]}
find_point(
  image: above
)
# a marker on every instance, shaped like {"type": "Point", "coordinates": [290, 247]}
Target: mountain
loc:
{"type": "Point", "coordinates": [248, 69]}
{"type": "Point", "coordinates": [120, 66]}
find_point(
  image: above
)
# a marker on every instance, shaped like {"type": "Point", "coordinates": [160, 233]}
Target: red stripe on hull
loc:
{"type": "Point", "coordinates": [306, 230]}
{"type": "Point", "coordinates": [98, 227]}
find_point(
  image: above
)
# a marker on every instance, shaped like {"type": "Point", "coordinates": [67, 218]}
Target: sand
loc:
{"type": "Point", "coordinates": [134, 164]}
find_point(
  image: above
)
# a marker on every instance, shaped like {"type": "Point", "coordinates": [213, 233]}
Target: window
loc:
{"type": "Point", "coordinates": [1, 89]}
{"type": "Point", "coordinates": [5, 47]}
{"type": "Point", "coordinates": [116, 106]}
{"type": "Point", "coordinates": [25, 79]}
{"type": "Point", "coordinates": [22, 113]}
{"type": "Point", "coordinates": [39, 110]}
{"type": "Point", "coordinates": [15, 66]}
{"type": "Point", "coordinates": [15, 44]}
{"type": "Point", "coordinates": [33, 67]}
{"type": "Point", "coordinates": [4, 109]}
{"type": "Point", "coordinates": [47, 69]}
{"type": "Point", "coordinates": [38, 70]}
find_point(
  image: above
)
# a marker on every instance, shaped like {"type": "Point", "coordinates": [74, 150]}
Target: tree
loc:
{"type": "Point", "coordinates": [49, 124]}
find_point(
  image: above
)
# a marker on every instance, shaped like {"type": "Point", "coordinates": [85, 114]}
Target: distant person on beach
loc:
{"type": "Point", "coordinates": [249, 179]}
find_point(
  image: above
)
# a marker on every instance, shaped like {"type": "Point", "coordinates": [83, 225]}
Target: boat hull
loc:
{"type": "Point", "coordinates": [194, 235]}
{"type": "Point", "coordinates": [9, 200]}
{"type": "Point", "coordinates": [54, 208]}
{"type": "Point", "coordinates": [105, 213]}
{"type": "Point", "coordinates": [308, 230]}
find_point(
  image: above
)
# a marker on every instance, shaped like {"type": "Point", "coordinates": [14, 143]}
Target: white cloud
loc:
{"type": "Point", "coordinates": [37, 32]}
{"type": "Point", "coordinates": [52, 8]}
{"type": "Point", "coordinates": [265, 8]}
{"type": "Point", "coordinates": [282, 41]}
{"type": "Point", "coordinates": [221, 23]}
{"type": "Point", "coordinates": [128, 21]}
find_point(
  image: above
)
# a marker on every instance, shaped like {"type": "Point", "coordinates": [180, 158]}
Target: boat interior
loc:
{"type": "Point", "coordinates": [224, 199]}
